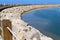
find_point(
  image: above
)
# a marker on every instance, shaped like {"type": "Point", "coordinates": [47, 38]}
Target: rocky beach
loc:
{"type": "Point", "coordinates": [21, 28]}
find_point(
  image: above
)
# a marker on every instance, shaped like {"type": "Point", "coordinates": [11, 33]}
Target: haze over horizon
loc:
{"type": "Point", "coordinates": [29, 1]}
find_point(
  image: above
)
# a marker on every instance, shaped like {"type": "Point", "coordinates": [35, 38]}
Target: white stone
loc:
{"type": "Point", "coordinates": [14, 15]}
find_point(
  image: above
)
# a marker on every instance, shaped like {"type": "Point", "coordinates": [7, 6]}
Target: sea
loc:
{"type": "Point", "coordinates": [46, 20]}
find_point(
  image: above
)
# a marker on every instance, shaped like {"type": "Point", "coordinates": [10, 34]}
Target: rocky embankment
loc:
{"type": "Point", "coordinates": [21, 28]}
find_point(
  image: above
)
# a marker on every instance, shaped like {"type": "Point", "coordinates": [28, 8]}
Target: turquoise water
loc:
{"type": "Point", "coordinates": [45, 20]}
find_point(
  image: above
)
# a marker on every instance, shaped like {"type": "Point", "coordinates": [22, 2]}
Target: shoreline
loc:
{"type": "Point", "coordinates": [43, 31]}
{"type": "Point", "coordinates": [17, 12]}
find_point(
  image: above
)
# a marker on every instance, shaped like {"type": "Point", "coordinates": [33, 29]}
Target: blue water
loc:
{"type": "Point", "coordinates": [45, 20]}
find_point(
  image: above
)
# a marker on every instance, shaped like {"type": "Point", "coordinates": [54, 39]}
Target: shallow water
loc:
{"type": "Point", "coordinates": [45, 20]}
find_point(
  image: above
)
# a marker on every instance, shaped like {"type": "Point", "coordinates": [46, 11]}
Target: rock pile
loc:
{"type": "Point", "coordinates": [21, 28]}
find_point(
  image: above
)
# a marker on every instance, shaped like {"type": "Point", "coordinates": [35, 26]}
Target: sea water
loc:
{"type": "Point", "coordinates": [45, 20]}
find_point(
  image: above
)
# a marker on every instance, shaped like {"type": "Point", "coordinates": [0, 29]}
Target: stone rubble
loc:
{"type": "Point", "coordinates": [21, 28]}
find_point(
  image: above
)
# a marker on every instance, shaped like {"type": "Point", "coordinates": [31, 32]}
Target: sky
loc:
{"type": "Point", "coordinates": [29, 1]}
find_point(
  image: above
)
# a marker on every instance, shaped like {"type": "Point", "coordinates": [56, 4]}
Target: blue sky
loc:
{"type": "Point", "coordinates": [29, 1]}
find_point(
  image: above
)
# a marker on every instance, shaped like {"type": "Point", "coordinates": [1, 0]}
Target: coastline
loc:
{"type": "Point", "coordinates": [18, 14]}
